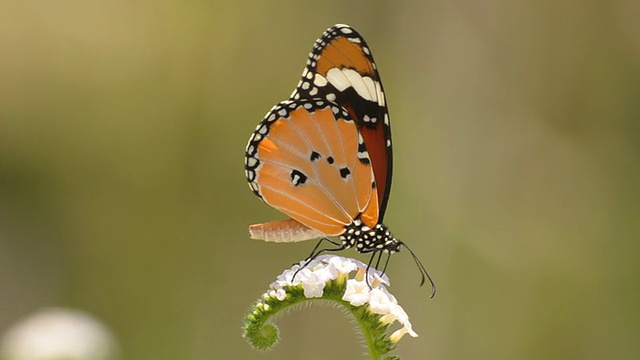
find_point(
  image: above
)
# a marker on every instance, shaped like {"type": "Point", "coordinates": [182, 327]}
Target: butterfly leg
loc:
{"type": "Point", "coordinates": [386, 263]}
{"type": "Point", "coordinates": [315, 253]}
{"type": "Point", "coordinates": [373, 255]}
{"type": "Point", "coordinates": [369, 267]}
{"type": "Point", "coordinates": [379, 253]}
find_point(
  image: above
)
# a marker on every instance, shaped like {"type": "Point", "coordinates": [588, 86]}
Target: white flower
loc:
{"type": "Point", "coordinates": [390, 295]}
{"type": "Point", "coordinates": [312, 284]}
{"type": "Point", "coordinates": [286, 278]}
{"type": "Point", "coordinates": [398, 313]}
{"type": "Point", "coordinates": [357, 292]}
{"type": "Point", "coordinates": [317, 273]}
{"type": "Point", "coordinates": [398, 334]}
{"type": "Point", "coordinates": [58, 334]}
{"type": "Point", "coordinates": [341, 265]}
{"type": "Point", "coordinates": [323, 268]}
{"type": "Point", "coordinates": [324, 273]}
{"type": "Point", "coordinates": [280, 294]}
{"type": "Point", "coordinates": [376, 278]}
{"type": "Point", "coordinates": [379, 302]}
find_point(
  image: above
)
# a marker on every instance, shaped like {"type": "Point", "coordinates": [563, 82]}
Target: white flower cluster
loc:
{"type": "Point", "coordinates": [359, 291]}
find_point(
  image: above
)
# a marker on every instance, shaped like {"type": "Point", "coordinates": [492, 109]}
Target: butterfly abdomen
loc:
{"type": "Point", "coordinates": [283, 231]}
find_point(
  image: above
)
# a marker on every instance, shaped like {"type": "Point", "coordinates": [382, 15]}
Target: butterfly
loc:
{"type": "Point", "coordinates": [324, 156]}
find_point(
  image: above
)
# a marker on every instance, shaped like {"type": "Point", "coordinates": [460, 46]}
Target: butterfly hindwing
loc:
{"type": "Point", "coordinates": [341, 69]}
{"type": "Point", "coordinates": [308, 160]}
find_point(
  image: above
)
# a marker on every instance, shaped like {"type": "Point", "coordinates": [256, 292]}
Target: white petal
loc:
{"type": "Point", "coordinates": [357, 292]}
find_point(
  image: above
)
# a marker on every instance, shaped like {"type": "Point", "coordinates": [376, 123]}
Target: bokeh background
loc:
{"type": "Point", "coordinates": [517, 167]}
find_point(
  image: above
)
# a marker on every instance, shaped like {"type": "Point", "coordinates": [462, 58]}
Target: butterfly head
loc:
{"type": "Point", "coordinates": [378, 238]}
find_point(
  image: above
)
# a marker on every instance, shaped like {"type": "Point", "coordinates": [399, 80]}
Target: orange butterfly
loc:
{"type": "Point", "coordinates": [324, 156]}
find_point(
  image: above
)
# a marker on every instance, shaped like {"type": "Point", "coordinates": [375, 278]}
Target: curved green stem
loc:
{"type": "Point", "coordinates": [263, 335]}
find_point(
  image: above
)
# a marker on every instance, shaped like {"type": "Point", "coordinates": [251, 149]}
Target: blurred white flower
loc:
{"type": "Point", "coordinates": [54, 333]}
{"type": "Point", "coordinates": [279, 294]}
{"type": "Point", "coordinates": [359, 292]}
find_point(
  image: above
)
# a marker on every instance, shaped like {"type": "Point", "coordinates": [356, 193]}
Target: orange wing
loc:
{"type": "Point", "coordinates": [341, 69]}
{"type": "Point", "coordinates": [308, 160]}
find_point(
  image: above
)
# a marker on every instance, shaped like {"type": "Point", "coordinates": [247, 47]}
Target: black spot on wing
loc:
{"type": "Point", "coordinates": [298, 178]}
{"type": "Point", "coordinates": [344, 172]}
{"type": "Point", "coordinates": [330, 159]}
{"type": "Point", "coordinates": [314, 156]}
{"type": "Point", "coordinates": [362, 147]}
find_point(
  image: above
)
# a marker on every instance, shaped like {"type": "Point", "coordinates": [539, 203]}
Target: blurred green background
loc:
{"type": "Point", "coordinates": [517, 162]}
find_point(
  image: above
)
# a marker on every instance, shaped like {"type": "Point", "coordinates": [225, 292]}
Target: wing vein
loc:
{"type": "Point", "coordinates": [287, 195]}
{"type": "Point", "coordinates": [316, 173]}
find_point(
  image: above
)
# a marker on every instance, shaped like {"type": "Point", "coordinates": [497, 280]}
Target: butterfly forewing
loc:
{"type": "Point", "coordinates": [341, 69]}
{"type": "Point", "coordinates": [308, 160]}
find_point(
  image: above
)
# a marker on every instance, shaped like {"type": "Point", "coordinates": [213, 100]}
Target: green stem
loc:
{"type": "Point", "coordinates": [369, 338]}
{"type": "Point", "coordinates": [263, 335]}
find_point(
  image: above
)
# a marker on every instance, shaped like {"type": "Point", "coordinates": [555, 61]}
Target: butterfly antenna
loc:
{"type": "Point", "coordinates": [423, 272]}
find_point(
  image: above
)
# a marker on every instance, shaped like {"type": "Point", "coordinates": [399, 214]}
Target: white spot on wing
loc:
{"type": "Point", "coordinates": [380, 94]}
{"type": "Point", "coordinates": [321, 80]}
{"type": "Point", "coordinates": [357, 82]}
{"type": "Point", "coordinates": [363, 85]}
{"type": "Point", "coordinates": [338, 79]}
{"type": "Point", "coordinates": [371, 87]}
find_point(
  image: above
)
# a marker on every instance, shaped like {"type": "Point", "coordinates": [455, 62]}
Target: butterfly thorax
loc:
{"type": "Point", "coordinates": [366, 239]}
